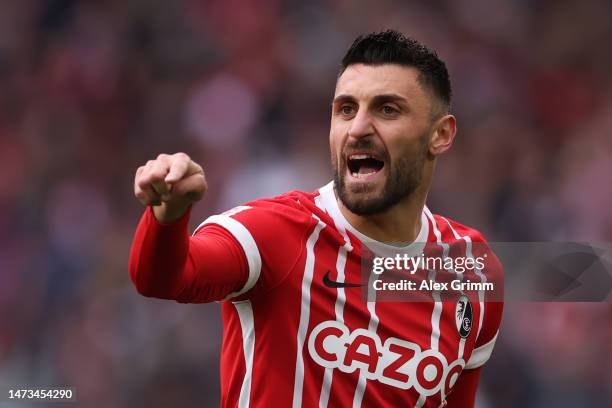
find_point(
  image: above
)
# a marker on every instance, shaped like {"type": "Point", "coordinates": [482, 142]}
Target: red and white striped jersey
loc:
{"type": "Point", "coordinates": [292, 339]}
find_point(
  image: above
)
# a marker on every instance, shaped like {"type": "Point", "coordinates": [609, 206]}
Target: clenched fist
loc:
{"type": "Point", "coordinates": [170, 183]}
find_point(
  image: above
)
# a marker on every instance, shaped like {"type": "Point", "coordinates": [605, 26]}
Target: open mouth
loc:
{"type": "Point", "coordinates": [363, 165]}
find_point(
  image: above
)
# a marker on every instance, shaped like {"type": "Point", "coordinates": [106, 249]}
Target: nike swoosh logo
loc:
{"type": "Point", "coordinates": [335, 285]}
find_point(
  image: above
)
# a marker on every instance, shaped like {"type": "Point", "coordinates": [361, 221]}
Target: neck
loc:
{"type": "Point", "coordinates": [399, 224]}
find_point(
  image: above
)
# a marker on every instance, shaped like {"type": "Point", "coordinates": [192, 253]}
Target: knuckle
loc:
{"type": "Point", "coordinates": [157, 175]}
{"type": "Point", "coordinates": [199, 169]}
{"type": "Point", "coordinates": [157, 171]}
{"type": "Point", "coordinates": [182, 156]}
{"type": "Point", "coordinates": [152, 173]}
{"type": "Point", "coordinates": [143, 182]}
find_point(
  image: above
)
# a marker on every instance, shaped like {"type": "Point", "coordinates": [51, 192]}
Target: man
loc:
{"type": "Point", "coordinates": [297, 331]}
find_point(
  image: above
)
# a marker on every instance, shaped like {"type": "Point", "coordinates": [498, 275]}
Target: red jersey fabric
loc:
{"type": "Point", "coordinates": [291, 340]}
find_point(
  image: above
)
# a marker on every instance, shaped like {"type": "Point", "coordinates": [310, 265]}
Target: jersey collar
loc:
{"type": "Point", "coordinates": [329, 204]}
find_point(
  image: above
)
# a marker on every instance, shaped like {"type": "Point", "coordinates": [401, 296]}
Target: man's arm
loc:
{"type": "Point", "coordinates": [165, 261]}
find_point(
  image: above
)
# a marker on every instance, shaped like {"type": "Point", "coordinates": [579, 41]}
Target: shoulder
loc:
{"type": "Point", "coordinates": [292, 201]}
{"type": "Point", "coordinates": [291, 210]}
{"type": "Point", "coordinates": [470, 241]}
{"type": "Point", "coordinates": [270, 231]}
{"type": "Point", "coordinates": [452, 230]}
{"type": "Point", "coordinates": [268, 214]}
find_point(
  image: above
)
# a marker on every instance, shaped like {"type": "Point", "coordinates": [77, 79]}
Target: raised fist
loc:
{"type": "Point", "coordinates": [170, 183]}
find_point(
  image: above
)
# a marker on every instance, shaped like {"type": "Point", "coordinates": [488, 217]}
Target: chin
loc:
{"type": "Point", "coordinates": [362, 202]}
{"type": "Point", "coordinates": [363, 190]}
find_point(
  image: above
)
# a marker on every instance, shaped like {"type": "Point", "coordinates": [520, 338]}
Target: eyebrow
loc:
{"type": "Point", "coordinates": [378, 99]}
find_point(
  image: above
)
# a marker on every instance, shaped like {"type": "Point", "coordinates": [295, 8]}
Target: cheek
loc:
{"type": "Point", "coordinates": [402, 141]}
{"type": "Point", "coordinates": [334, 152]}
{"type": "Point", "coordinates": [335, 139]}
{"type": "Point", "coordinates": [405, 151]}
{"type": "Point", "coordinates": [332, 143]}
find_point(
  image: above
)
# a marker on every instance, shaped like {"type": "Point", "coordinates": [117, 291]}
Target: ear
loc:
{"type": "Point", "coordinates": [444, 130]}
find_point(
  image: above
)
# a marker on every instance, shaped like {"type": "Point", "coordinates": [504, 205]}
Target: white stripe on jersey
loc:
{"type": "Point", "coordinates": [420, 401]}
{"type": "Point", "coordinates": [459, 274]}
{"type": "Point", "coordinates": [247, 324]}
{"type": "Point", "coordinates": [372, 327]}
{"type": "Point", "coordinates": [483, 278]}
{"type": "Point", "coordinates": [435, 314]}
{"type": "Point", "coordinates": [481, 354]}
{"type": "Point", "coordinates": [298, 385]}
{"type": "Point", "coordinates": [437, 309]}
{"type": "Point", "coordinates": [246, 241]}
{"type": "Point", "coordinates": [339, 309]}
{"type": "Point", "coordinates": [339, 305]}
{"type": "Point", "coordinates": [461, 348]}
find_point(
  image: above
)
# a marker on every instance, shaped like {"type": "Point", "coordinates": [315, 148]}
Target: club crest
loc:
{"type": "Point", "coordinates": [464, 316]}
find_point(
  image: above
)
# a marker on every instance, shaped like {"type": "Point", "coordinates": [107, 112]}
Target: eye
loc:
{"type": "Point", "coordinates": [347, 109]}
{"type": "Point", "coordinates": [389, 110]}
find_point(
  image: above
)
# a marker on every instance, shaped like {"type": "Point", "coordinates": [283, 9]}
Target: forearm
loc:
{"type": "Point", "coordinates": [159, 254]}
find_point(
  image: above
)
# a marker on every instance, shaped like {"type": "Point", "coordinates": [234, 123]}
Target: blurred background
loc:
{"type": "Point", "coordinates": [90, 90]}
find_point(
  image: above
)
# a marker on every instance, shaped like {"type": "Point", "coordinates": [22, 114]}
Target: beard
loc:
{"type": "Point", "coordinates": [404, 176]}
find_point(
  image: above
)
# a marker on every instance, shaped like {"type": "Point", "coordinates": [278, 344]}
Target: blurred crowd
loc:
{"type": "Point", "coordinates": [90, 90]}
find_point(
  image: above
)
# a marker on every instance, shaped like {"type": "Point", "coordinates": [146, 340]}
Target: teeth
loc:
{"type": "Point", "coordinates": [359, 175]}
{"type": "Point", "coordinates": [359, 156]}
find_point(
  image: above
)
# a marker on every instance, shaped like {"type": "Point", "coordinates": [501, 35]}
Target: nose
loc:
{"type": "Point", "coordinates": [361, 125]}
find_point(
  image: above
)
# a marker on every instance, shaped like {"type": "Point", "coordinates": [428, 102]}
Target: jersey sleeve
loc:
{"type": "Point", "coordinates": [166, 263]}
{"type": "Point", "coordinates": [270, 233]}
{"type": "Point", "coordinates": [234, 255]}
